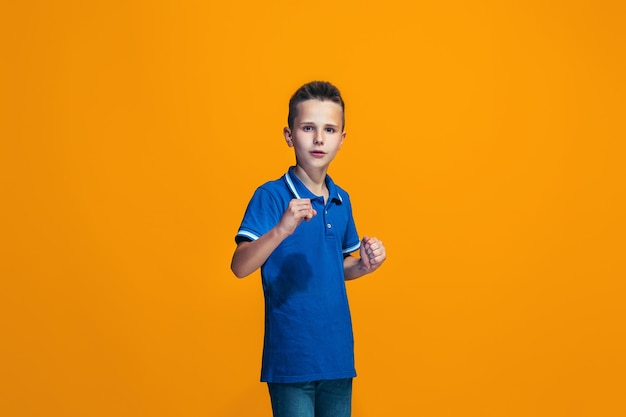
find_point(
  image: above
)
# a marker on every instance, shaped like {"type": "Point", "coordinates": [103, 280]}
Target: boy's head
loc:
{"type": "Point", "coordinates": [317, 90]}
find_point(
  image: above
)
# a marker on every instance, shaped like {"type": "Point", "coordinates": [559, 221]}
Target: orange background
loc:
{"type": "Point", "coordinates": [485, 148]}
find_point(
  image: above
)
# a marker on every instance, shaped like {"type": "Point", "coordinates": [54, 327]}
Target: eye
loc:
{"type": "Point", "coordinates": [330, 130]}
{"type": "Point", "coordinates": [307, 128]}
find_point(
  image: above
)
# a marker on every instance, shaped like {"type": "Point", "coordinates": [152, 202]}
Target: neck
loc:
{"type": "Point", "coordinates": [314, 180]}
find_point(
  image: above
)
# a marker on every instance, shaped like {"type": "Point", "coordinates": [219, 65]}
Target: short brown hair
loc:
{"type": "Point", "coordinates": [315, 90]}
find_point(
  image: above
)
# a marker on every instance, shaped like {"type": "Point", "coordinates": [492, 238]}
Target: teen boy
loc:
{"type": "Point", "coordinates": [299, 230]}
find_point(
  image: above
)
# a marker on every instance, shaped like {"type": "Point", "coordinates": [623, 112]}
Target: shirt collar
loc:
{"type": "Point", "coordinates": [299, 190]}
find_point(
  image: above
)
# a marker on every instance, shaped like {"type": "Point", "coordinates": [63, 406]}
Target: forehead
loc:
{"type": "Point", "coordinates": [319, 110]}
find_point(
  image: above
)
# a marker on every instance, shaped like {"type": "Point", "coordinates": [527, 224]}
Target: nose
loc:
{"type": "Point", "coordinates": [318, 139]}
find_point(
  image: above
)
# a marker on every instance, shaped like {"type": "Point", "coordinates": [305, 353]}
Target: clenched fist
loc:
{"type": "Point", "coordinates": [299, 209]}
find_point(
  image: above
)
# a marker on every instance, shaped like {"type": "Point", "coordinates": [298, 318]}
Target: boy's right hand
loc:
{"type": "Point", "coordinates": [299, 209]}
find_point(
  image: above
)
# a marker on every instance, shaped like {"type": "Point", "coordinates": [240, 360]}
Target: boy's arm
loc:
{"type": "Point", "coordinates": [373, 254]}
{"type": "Point", "coordinates": [249, 256]}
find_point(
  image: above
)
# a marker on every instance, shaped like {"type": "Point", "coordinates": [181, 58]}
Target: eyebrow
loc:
{"type": "Point", "coordinates": [313, 123]}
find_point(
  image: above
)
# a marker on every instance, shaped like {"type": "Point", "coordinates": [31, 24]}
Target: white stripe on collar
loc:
{"type": "Point", "coordinates": [291, 186]}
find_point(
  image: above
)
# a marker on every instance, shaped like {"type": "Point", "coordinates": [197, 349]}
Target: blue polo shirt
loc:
{"type": "Point", "coordinates": [308, 329]}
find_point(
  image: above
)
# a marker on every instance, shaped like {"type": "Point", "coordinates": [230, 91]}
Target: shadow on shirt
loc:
{"type": "Point", "coordinates": [294, 278]}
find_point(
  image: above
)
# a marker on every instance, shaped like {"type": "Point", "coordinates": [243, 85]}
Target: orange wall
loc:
{"type": "Point", "coordinates": [485, 148]}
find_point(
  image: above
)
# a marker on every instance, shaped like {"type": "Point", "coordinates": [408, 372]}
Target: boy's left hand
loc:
{"type": "Point", "coordinates": [373, 253]}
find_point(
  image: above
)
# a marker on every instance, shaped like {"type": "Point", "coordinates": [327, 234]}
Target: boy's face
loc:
{"type": "Point", "coordinates": [317, 133]}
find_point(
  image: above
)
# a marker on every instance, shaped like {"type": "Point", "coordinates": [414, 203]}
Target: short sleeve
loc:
{"type": "Point", "coordinates": [351, 241]}
{"type": "Point", "coordinates": [261, 215]}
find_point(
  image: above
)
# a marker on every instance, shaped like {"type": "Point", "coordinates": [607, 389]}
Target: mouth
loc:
{"type": "Point", "coordinates": [318, 154]}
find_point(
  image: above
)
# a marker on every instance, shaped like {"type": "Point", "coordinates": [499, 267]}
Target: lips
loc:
{"type": "Point", "coordinates": [318, 154]}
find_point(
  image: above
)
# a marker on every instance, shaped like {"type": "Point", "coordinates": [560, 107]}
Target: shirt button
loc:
{"type": "Point", "coordinates": [329, 225]}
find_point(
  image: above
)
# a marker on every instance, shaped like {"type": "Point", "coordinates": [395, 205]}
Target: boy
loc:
{"type": "Point", "coordinates": [299, 230]}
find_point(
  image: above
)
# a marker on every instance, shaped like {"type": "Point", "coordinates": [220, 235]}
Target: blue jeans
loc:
{"type": "Point", "coordinates": [327, 398]}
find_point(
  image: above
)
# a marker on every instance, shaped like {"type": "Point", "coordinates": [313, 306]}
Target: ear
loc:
{"type": "Point", "coordinates": [288, 138]}
{"type": "Point", "coordinates": [343, 137]}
